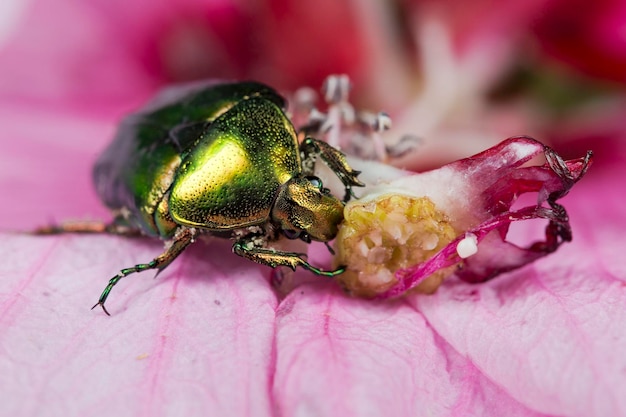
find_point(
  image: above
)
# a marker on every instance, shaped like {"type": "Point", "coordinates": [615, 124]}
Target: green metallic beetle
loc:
{"type": "Point", "coordinates": [219, 159]}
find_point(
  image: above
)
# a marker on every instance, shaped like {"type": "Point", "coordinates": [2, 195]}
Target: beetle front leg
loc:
{"type": "Point", "coordinates": [182, 239]}
{"type": "Point", "coordinates": [274, 258]}
{"type": "Point", "coordinates": [311, 148]}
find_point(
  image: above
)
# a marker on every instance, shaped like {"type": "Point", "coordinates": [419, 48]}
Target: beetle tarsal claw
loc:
{"type": "Point", "coordinates": [103, 307]}
{"type": "Point", "coordinates": [183, 238]}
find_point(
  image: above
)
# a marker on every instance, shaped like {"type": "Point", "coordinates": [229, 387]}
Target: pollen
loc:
{"type": "Point", "coordinates": [468, 246]}
{"type": "Point", "coordinates": [386, 233]}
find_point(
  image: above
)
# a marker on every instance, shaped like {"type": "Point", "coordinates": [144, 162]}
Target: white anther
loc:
{"type": "Point", "coordinates": [382, 122]}
{"type": "Point", "coordinates": [467, 246]}
{"type": "Point", "coordinates": [305, 97]}
{"type": "Point", "coordinates": [336, 88]}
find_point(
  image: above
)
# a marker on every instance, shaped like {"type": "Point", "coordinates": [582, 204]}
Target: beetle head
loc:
{"type": "Point", "coordinates": [305, 209]}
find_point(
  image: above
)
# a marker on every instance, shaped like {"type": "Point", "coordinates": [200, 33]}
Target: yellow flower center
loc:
{"type": "Point", "coordinates": [390, 232]}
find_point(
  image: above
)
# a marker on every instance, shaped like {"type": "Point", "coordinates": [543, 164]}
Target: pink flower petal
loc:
{"type": "Point", "coordinates": [551, 334]}
{"type": "Point", "coordinates": [197, 339]}
{"type": "Point", "coordinates": [552, 345]}
{"type": "Point", "coordinates": [45, 165]}
{"type": "Point", "coordinates": [340, 356]}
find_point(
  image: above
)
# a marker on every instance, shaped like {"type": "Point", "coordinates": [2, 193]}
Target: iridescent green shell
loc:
{"type": "Point", "coordinates": [135, 173]}
{"type": "Point", "coordinates": [231, 177]}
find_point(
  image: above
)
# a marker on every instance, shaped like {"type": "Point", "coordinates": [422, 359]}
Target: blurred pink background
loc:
{"type": "Point", "coordinates": [461, 77]}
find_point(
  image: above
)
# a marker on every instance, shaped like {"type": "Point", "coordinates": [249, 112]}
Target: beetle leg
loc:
{"type": "Point", "coordinates": [182, 239]}
{"type": "Point", "coordinates": [274, 258]}
{"type": "Point", "coordinates": [88, 227]}
{"type": "Point", "coordinates": [310, 148]}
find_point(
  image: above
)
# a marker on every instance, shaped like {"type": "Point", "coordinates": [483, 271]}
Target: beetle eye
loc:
{"type": "Point", "coordinates": [291, 234]}
{"type": "Point", "coordinates": [316, 182]}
